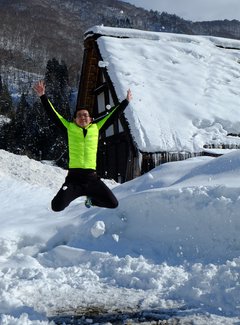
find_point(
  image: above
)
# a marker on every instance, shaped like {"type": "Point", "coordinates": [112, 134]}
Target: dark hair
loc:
{"type": "Point", "coordinates": [81, 109]}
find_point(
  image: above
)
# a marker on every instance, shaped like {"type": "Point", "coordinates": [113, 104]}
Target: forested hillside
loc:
{"type": "Point", "coordinates": [32, 32]}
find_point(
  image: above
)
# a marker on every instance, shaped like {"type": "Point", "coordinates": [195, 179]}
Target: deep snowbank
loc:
{"type": "Point", "coordinates": [172, 245]}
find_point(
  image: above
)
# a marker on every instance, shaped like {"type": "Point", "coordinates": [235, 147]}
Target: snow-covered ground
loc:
{"type": "Point", "coordinates": [171, 250]}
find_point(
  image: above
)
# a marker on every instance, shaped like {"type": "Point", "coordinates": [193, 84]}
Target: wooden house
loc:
{"type": "Point", "coordinates": [117, 154]}
{"type": "Point", "coordinates": [131, 147]}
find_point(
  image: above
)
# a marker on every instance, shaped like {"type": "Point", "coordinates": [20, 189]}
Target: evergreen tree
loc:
{"type": "Point", "coordinates": [30, 131]}
{"type": "Point", "coordinates": [1, 85]}
{"type": "Point", "coordinates": [6, 109]}
{"type": "Point", "coordinates": [7, 136]}
{"type": "Point", "coordinates": [24, 119]}
{"type": "Point", "coordinates": [6, 104]}
{"type": "Point", "coordinates": [13, 134]}
{"type": "Point", "coordinates": [58, 91]}
{"type": "Point", "coordinates": [57, 81]}
{"type": "Point", "coordinates": [23, 109]}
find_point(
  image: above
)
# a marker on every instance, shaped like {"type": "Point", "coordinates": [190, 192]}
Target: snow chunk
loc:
{"type": "Point", "coordinates": [103, 64]}
{"type": "Point", "coordinates": [98, 229]}
{"type": "Point", "coordinates": [115, 237]}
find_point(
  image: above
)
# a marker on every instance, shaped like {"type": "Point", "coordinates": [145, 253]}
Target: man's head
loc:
{"type": "Point", "coordinates": [82, 118]}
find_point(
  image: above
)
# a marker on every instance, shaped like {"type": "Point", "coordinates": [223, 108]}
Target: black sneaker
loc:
{"type": "Point", "coordinates": [88, 202]}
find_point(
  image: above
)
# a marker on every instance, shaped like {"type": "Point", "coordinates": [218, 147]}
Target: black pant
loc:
{"type": "Point", "coordinates": [81, 182]}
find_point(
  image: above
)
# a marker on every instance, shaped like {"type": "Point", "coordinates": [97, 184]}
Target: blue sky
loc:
{"type": "Point", "coordinates": [195, 10]}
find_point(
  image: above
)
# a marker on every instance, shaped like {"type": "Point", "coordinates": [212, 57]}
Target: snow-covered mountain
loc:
{"type": "Point", "coordinates": [171, 250]}
{"type": "Point", "coordinates": [55, 28]}
{"type": "Point", "coordinates": [32, 32]}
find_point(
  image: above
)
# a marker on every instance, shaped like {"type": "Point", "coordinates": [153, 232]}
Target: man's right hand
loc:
{"type": "Point", "coordinates": [39, 88]}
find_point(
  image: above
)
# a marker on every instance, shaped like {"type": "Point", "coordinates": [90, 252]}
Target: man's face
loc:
{"type": "Point", "coordinates": [82, 118]}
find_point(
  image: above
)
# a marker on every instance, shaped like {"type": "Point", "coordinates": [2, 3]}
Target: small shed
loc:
{"type": "Point", "coordinates": [186, 96]}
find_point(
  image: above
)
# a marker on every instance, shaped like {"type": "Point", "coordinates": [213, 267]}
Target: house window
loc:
{"type": "Point", "coordinates": [101, 103]}
{"type": "Point", "coordinates": [109, 131]}
{"type": "Point", "coordinates": [120, 127]}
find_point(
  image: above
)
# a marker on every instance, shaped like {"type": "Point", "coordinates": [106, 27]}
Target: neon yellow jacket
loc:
{"type": "Point", "coordinates": [82, 143]}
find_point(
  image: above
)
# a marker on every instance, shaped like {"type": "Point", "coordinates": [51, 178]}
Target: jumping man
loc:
{"type": "Point", "coordinates": [82, 135]}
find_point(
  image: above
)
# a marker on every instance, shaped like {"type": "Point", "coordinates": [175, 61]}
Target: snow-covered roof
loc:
{"type": "Point", "coordinates": [186, 88]}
